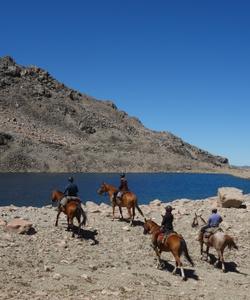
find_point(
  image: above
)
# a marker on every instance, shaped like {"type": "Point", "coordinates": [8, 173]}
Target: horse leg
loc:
{"type": "Point", "coordinates": [113, 207]}
{"type": "Point", "coordinates": [79, 224]}
{"type": "Point", "coordinates": [133, 212]}
{"type": "Point", "coordinates": [68, 225]}
{"type": "Point", "coordinates": [207, 253]}
{"type": "Point", "coordinates": [178, 264]}
{"type": "Point", "coordinates": [130, 217]}
{"type": "Point", "coordinates": [71, 225]}
{"type": "Point", "coordinates": [222, 261]}
{"type": "Point", "coordinates": [57, 217]}
{"type": "Point", "coordinates": [158, 254]}
{"type": "Point", "coordinates": [201, 244]}
{"type": "Point", "coordinates": [121, 215]}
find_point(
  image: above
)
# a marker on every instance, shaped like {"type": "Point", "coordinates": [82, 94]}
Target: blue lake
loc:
{"type": "Point", "coordinates": [33, 189]}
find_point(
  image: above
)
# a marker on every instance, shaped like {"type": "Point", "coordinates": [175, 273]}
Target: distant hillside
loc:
{"type": "Point", "coordinates": [46, 126]}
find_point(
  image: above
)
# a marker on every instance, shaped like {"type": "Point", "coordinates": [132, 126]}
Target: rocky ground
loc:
{"type": "Point", "coordinates": [115, 261]}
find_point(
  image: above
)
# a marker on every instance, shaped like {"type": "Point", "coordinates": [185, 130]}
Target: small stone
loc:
{"type": "Point", "coordinates": [86, 277]}
{"type": "Point", "coordinates": [47, 268]}
{"type": "Point", "coordinates": [126, 228]}
{"type": "Point", "coordinates": [57, 276]}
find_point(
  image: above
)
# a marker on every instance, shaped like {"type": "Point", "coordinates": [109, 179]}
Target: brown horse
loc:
{"type": "Point", "coordinates": [72, 210]}
{"type": "Point", "coordinates": [128, 200]}
{"type": "Point", "coordinates": [219, 240]}
{"type": "Point", "coordinates": [174, 244]}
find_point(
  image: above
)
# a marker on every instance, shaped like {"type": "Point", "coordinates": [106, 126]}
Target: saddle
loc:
{"type": "Point", "coordinates": [73, 198]}
{"type": "Point", "coordinates": [210, 231]}
{"type": "Point", "coordinates": [162, 237]}
{"type": "Point", "coordinates": [117, 199]}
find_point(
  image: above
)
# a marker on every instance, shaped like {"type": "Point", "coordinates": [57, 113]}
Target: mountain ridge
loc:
{"type": "Point", "coordinates": [46, 126]}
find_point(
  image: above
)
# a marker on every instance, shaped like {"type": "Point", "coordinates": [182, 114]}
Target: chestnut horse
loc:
{"type": "Point", "coordinates": [128, 200]}
{"type": "Point", "coordinates": [218, 240]}
{"type": "Point", "coordinates": [174, 243]}
{"type": "Point", "coordinates": [72, 210]}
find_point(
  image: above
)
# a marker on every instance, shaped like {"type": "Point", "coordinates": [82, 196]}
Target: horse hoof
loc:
{"type": "Point", "coordinates": [184, 278]}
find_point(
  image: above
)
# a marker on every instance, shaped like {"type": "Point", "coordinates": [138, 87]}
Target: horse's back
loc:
{"type": "Point", "coordinates": [129, 197]}
{"type": "Point", "coordinates": [217, 239]}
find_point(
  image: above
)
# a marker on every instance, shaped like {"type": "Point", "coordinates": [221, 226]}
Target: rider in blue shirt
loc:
{"type": "Point", "coordinates": [214, 221]}
{"type": "Point", "coordinates": [71, 189]}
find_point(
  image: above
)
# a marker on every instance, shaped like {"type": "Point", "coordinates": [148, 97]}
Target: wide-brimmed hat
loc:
{"type": "Point", "coordinates": [169, 208]}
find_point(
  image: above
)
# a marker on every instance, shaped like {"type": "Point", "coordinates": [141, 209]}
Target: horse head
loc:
{"type": "Point", "coordinates": [103, 189]}
{"type": "Point", "coordinates": [195, 222]}
{"type": "Point", "coordinates": [148, 225]}
{"type": "Point", "coordinates": [56, 196]}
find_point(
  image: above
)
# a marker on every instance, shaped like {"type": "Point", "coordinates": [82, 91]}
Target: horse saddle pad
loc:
{"type": "Point", "coordinates": [165, 236]}
{"type": "Point", "coordinates": [72, 198]}
{"type": "Point", "coordinates": [211, 230]}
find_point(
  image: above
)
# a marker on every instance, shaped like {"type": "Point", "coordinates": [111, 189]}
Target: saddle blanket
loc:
{"type": "Point", "coordinates": [211, 230]}
{"type": "Point", "coordinates": [67, 199]}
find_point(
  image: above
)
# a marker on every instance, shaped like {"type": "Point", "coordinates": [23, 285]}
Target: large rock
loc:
{"type": "Point", "coordinates": [19, 226]}
{"type": "Point", "coordinates": [2, 222]}
{"type": "Point", "coordinates": [230, 197]}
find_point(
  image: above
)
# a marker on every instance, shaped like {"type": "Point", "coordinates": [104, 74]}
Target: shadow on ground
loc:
{"type": "Point", "coordinates": [86, 234]}
{"type": "Point", "coordinates": [189, 273]}
{"type": "Point", "coordinates": [229, 266]}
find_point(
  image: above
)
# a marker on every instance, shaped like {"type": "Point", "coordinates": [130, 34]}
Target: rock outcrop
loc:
{"type": "Point", "coordinates": [46, 126]}
{"type": "Point", "coordinates": [230, 197]}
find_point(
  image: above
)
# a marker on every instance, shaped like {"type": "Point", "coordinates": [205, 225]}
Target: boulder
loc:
{"type": "Point", "coordinates": [92, 207]}
{"type": "Point", "coordinates": [2, 222]}
{"type": "Point", "coordinates": [230, 197]}
{"type": "Point", "coordinates": [19, 226]}
{"type": "Point", "coordinates": [155, 202]}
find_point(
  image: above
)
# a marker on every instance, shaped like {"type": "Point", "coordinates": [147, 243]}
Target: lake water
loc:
{"type": "Point", "coordinates": [33, 189]}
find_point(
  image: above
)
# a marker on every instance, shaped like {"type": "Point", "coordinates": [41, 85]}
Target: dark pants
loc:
{"type": "Point", "coordinates": [203, 229]}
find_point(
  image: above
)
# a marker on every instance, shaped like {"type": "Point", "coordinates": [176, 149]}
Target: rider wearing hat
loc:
{"type": "Point", "coordinates": [214, 221]}
{"type": "Point", "coordinates": [123, 187]}
{"type": "Point", "coordinates": [123, 183]}
{"type": "Point", "coordinates": [71, 189]}
{"type": "Point", "coordinates": [167, 222]}
{"type": "Point", "coordinates": [70, 192]}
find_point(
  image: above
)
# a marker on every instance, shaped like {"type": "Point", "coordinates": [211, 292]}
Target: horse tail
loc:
{"type": "Point", "coordinates": [230, 242]}
{"type": "Point", "coordinates": [138, 208]}
{"type": "Point", "coordinates": [185, 250]}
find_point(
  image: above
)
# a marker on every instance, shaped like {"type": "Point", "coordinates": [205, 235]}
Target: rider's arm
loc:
{"type": "Point", "coordinates": [66, 190]}
{"type": "Point", "coordinates": [163, 220]}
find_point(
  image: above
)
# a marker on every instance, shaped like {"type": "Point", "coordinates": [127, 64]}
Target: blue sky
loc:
{"type": "Point", "coordinates": [179, 66]}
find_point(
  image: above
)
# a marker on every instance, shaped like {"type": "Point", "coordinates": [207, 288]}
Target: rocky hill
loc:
{"type": "Point", "coordinates": [46, 126]}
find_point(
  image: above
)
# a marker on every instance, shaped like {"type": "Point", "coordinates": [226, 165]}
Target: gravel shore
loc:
{"type": "Point", "coordinates": [115, 261]}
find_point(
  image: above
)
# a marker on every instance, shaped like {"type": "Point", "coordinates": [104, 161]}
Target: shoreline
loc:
{"type": "Point", "coordinates": [241, 173]}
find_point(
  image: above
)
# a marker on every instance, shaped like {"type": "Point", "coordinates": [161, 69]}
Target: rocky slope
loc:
{"type": "Point", "coordinates": [115, 261]}
{"type": "Point", "coordinates": [46, 126]}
